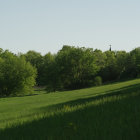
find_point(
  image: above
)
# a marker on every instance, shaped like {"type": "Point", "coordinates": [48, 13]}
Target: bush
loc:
{"type": "Point", "coordinates": [97, 81]}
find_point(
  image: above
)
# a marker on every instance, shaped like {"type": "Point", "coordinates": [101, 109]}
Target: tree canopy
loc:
{"type": "Point", "coordinates": [16, 75]}
{"type": "Point", "coordinates": [70, 68]}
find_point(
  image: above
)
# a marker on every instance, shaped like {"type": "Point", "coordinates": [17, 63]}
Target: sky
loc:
{"type": "Point", "coordinates": [46, 25]}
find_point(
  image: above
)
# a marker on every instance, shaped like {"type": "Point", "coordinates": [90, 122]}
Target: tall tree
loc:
{"type": "Point", "coordinates": [36, 59]}
{"type": "Point", "coordinates": [77, 67]}
{"type": "Point", "coordinates": [16, 75]}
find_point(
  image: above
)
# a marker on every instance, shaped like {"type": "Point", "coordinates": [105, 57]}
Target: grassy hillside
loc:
{"type": "Point", "coordinates": [106, 112]}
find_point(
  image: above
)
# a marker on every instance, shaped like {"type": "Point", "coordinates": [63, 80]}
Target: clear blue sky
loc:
{"type": "Point", "coordinates": [47, 25]}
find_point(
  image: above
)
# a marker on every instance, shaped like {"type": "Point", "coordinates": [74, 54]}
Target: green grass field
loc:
{"type": "Point", "coordinates": [99, 113]}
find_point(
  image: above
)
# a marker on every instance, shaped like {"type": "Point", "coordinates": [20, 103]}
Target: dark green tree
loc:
{"type": "Point", "coordinates": [109, 71]}
{"type": "Point", "coordinates": [77, 67]}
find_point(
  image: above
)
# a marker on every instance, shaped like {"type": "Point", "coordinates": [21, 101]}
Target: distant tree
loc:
{"type": "Point", "coordinates": [133, 65]}
{"type": "Point", "coordinates": [50, 76]}
{"type": "Point", "coordinates": [77, 67]}
{"type": "Point", "coordinates": [36, 59]}
{"type": "Point", "coordinates": [100, 58]}
{"type": "Point", "coordinates": [121, 62]}
{"type": "Point", "coordinates": [16, 75]}
{"type": "Point", "coordinates": [1, 50]}
{"type": "Point", "coordinates": [109, 71]}
{"type": "Point", "coordinates": [71, 68]}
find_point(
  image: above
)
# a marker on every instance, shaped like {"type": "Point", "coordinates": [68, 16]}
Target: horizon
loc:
{"type": "Point", "coordinates": [67, 45]}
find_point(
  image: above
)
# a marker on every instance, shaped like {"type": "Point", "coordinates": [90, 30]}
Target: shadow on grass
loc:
{"type": "Point", "coordinates": [116, 120]}
{"type": "Point", "coordinates": [124, 91]}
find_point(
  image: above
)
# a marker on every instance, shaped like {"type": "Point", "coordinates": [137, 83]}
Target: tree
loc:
{"type": "Point", "coordinates": [16, 75]}
{"type": "Point", "coordinates": [50, 76]}
{"type": "Point", "coordinates": [77, 67]}
{"type": "Point", "coordinates": [100, 58]}
{"type": "Point", "coordinates": [109, 71]}
{"type": "Point", "coordinates": [133, 65]}
{"type": "Point", "coordinates": [121, 62]}
{"type": "Point", "coordinates": [36, 59]}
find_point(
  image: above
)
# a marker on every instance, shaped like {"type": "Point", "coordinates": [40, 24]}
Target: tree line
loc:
{"type": "Point", "coordinates": [70, 68]}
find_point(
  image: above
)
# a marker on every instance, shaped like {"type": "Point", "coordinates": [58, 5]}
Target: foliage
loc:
{"type": "Point", "coordinates": [36, 59]}
{"type": "Point", "coordinates": [16, 75]}
{"type": "Point", "coordinates": [75, 67]}
{"type": "Point", "coordinates": [97, 81]}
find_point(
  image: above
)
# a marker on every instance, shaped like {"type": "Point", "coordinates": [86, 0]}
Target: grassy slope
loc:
{"type": "Point", "coordinates": [106, 112]}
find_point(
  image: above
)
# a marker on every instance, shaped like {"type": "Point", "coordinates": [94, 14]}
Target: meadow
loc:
{"type": "Point", "coordinates": [101, 113]}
